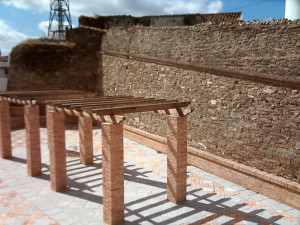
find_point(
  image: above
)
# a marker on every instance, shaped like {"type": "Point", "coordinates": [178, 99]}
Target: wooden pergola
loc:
{"type": "Point", "coordinates": [110, 111]}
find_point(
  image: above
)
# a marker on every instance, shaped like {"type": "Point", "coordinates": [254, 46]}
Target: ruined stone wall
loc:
{"type": "Point", "coordinates": [48, 64]}
{"type": "Point", "coordinates": [84, 62]}
{"type": "Point", "coordinates": [107, 22]}
{"type": "Point", "coordinates": [250, 122]}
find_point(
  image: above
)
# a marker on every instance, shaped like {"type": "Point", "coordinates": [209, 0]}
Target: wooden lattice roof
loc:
{"type": "Point", "coordinates": [40, 96]}
{"type": "Point", "coordinates": [89, 104]}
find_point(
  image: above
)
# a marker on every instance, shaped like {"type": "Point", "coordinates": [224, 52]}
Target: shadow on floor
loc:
{"type": "Point", "coordinates": [201, 207]}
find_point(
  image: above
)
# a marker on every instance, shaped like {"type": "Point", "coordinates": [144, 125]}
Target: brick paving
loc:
{"type": "Point", "coordinates": [210, 199]}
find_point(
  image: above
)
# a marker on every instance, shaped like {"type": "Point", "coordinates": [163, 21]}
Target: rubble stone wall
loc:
{"type": "Point", "coordinates": [246, 121]}
{"type": "Point", "coordinates": [107, 22]}
{"type": "Point", "coordinates": [48, 64]}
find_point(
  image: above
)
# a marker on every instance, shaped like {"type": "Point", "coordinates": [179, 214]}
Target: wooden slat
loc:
{"type": "Point", "coordinates": [90, 100]}
{"type": "Point", "coordinates": [19, 101]}
{"type": "Point", "coordinates": [63, 99]}
{"type": "Point", "coordinates": [71, 100]}
{"type": "Point", "coordinates": [97, 98]}
{"type": "Point", "coordinates": [175, 112]}
{"type": "Point", "coordinates": [111, 101]}
{"type": "Point", "coordinates": [42, 91]}
{"type": "Point", "coordinates": [138, 108]}
{"type": "Point", "coordinates": [39, 97]}
{"type": "Point", "coordinates": [38, 93]}
{"type": "Point", "coordinates": [94, 116]}
{"type": "Point", "coordinates": [54, 94]}
{"type": "Point", "coordinates": [114, 104]}
{"type": "Point", "coordinates": [29, 91]}
{"type": "Point", "coordinates": [42, 100]}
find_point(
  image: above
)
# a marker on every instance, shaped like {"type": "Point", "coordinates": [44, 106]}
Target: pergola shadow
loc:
{"type": "Point", "coordinates": [192, 211]}
{"type": "Point", "coordinates": [199, 205]}
{"type": "Point", "coordinates": [199, 208]}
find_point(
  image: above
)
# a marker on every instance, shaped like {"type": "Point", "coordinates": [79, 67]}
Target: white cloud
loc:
{"type": "Point", "coordinates": [9, 37]}
{"type": "Point", "coordinates": [144, 7]}
{"type": "Point", "coordinates": [126, 7]}
{"type": "Point", "coordinates": [192, 6]}
{"type": "Point", "coordinates": [36, 5]}
{"type": "Point", "coordinates": [215, 6]}
{"type": "Point", "coordinates": [43, 26]}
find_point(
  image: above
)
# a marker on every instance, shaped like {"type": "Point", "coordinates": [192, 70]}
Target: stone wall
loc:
{"type": "Point", "coordinates": [48, 64]}
{"type": "Point", "coordinates": [250, 122]}
{"type": "Point", "coordinates": [107, 22]}
{"type": "Point", "coordinates": [270, 47]}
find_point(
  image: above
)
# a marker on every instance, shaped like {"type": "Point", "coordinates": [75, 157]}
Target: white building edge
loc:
{"type": "Point", "coordinates": [292, 9]}
{"type": "Point", "coordinates": [3, 79]}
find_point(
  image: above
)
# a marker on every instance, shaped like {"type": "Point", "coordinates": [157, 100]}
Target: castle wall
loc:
{"type": "Point", "coordinates": [48, 64]}
{"type": "Point", "coordinates": [107, 22]}
{"type": "Point", "coordinates": [253, 123]}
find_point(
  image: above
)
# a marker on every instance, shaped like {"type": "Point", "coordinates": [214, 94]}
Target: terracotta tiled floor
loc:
{"type": "Point", "coordinates": [210, 199]}
{"type": "Point", "coordinates": [15, 208]}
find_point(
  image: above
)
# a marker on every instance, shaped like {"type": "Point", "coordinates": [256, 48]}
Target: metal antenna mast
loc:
{"type": "Point", "coordinates": [59, 19]}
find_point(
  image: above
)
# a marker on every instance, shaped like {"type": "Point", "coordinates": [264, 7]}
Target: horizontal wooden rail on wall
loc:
{"type": "Point", "coordinates": [277, 80]}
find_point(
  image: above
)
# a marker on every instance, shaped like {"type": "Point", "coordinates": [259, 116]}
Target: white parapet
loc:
{"type": "Point", "coordinates": [4, 64]}
{"type": "Point", "coordinates": [3, 79]}
{"type": "Point", "coordinates": [292, 9]}
{"type": "Point", "coordinates": [2, 72]}
{"type": "Point", "coordinates": [3, 83]}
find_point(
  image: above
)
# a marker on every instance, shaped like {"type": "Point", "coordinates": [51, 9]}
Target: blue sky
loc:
{"type": "Point", "coordinates": [22, 19]}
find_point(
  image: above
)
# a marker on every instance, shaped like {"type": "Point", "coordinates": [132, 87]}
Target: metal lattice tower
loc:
{"type": "Point", "coordinates": [59, 19]}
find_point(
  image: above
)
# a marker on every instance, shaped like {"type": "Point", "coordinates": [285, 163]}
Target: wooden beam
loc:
{"type": "Point", "coordinates": [78, 100]}
{"type": "Point", "coordinates": [30, 91]}
{"type": "Point", "coordinates": [39, 92]}
{"type": "Point", "coordinates": [278, 80]}
{"type": "Point", "coordinates": [45, 96]}
{"type": "Point", "coordinates": [32, 100]}
{"type": "Point", "coordinates": [175, 112]}
{"type": "Point", "coordinates": [19, 101]}
{"type": "Point", "coordinates": [54, 94]}
{"type": "Point", "coordinates": [68, 96]}
{"type": "Point", "coordinates": [95, 101]}
{"type": "Point", "coordinates": [106, 118]}
{"type": "Point", "coordinates": [137, 108]}
{"type": "Point", "coordinates": [112, 103]}
{"type": "Point", "coordinates": [44, 100]}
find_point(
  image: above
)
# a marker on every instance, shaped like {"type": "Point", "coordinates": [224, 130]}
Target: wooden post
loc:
{"type": "Point", "coordinates": [113, 173]}
{"type": "Point", "coordinates": [32, 124]}
{"type": "Point", "coordinates": [86, 140]}
{"type": "Point", "coordinates": [177, 158]}
{"type": "Point", "coordinates": [5, 137]}
{"type": "Point", "coordinates": [57, 148]}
